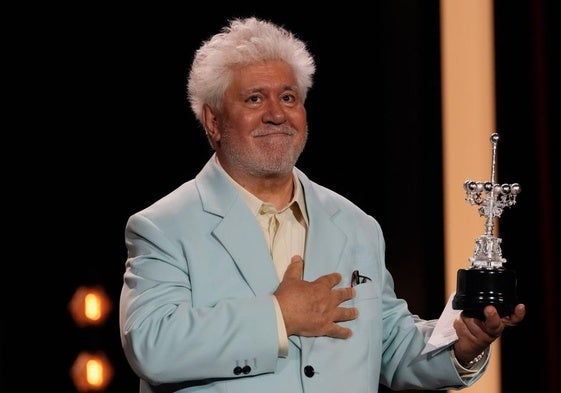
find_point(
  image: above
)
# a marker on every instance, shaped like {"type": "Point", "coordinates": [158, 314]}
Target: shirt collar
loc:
{"type": "Point", "coordinates": [255, 203]}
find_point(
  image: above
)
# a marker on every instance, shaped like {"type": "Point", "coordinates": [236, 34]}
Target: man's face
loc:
{"type": "Point", "coordinates": [261, 128]}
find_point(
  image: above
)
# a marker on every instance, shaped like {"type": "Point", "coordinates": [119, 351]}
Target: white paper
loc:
{"type": "Point", "coordinates": [444, 333]}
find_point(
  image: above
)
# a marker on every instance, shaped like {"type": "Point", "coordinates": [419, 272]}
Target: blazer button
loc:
{"type": "Point", "coordinates": [237, 370]}
{"type": "Point", "coordinates": [246, 369]}
{"type": "Point", "coordinates": [309, 371]}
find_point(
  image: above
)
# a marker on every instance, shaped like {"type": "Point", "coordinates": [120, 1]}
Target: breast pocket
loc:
{"type": "Point", "coordinates": [367, 300]}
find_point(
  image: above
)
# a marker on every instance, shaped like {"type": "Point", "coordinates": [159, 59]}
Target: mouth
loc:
{"type": "Point", "coordinates": [275, 132]}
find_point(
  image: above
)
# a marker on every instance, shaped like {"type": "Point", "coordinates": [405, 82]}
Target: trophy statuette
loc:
{"type": "Point", "coordinates": [486, 281]}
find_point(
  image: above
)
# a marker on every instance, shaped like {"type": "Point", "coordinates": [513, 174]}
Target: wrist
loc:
{"type": "Point", "coordinates": [469, 364]}
{"type": "Point", "coordinates": [473, 361]}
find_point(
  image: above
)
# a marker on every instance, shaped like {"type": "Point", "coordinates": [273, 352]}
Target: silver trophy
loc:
{"type": "Point", "coordinates": [486, 281]}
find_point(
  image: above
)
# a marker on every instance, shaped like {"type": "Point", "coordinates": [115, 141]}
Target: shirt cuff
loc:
{"type": "Point", "coordinates": [474, 367]}
{"type": "Point", "coordinates": [281, 329]}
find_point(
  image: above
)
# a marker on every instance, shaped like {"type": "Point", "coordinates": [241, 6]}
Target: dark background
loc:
{"type": "Point", "coordinates": [101, 128]}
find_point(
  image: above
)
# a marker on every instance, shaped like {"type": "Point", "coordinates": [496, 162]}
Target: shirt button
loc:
{"type": "Point", "coordinates": [237, 370]}
{"type": "Point", "coordinates": [309, 371]}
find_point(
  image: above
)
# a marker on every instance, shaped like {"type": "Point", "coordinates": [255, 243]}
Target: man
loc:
{"type": "Point", "coordinates": [253, 278]}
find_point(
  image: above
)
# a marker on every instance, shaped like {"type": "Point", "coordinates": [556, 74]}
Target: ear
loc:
{"type": "Point", "coordinates": [210, 120]}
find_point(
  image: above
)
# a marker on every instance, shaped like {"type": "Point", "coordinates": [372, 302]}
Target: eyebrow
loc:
{"type": "Point", "coordinates": [261, 89]}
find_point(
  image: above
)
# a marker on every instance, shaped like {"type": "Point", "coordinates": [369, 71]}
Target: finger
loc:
{"type": "Point", "coordinates": [346, 314]}
{"type": "Point", "coordinates": [296, 258]}
{"type": "Point", "coordinates": [344, 294]}
{"type": "Point", "coordinates": [492, 325]}
{"type": "Point", "coordinates": [516, 317]}
{"type": "Point", "coordinates": [475, 330]}
{"type": "Point", "coordinates": [338, 331]}
{"type": "Point", "coordinates": [462, 329]}
{"type": "Point", "coordinates": [331, 279]}
{"type": "Point", "coordinates": [295, 268]}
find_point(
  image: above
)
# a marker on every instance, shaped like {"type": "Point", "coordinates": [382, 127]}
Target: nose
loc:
{"type": "Point", "coordinates": [274, 113]}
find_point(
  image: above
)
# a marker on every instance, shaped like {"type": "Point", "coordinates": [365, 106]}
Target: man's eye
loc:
{"type": "Point", "coordinates": [254, 99]}
{"type": "Point", "coordinates": [288, 98]}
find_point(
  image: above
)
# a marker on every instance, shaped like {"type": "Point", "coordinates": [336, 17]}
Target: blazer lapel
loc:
{"type": "Point", "coordinates": [326, 241]}
{"type": "Point", "coordinates": [238, 231]}
{"type": "Point", "coordinates": [241, 235]}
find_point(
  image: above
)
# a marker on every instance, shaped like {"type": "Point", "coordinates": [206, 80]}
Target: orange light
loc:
{"type": "Point", "coordinates": [89, 306]}
{"type": "Point", "coordinates": [91, 372]}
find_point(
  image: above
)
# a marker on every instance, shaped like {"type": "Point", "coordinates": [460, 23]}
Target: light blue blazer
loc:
{"type": "Point", "coordinates": [197, 315]}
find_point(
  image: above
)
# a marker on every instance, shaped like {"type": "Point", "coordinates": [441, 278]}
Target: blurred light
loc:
{"type": "Point", "coordinates": [89, 306]}
{"type": "Point", "coordinates": [91, 372]}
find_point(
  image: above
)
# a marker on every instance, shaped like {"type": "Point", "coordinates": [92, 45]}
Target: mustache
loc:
{"type": "Point", "coordinates": [282, 129]}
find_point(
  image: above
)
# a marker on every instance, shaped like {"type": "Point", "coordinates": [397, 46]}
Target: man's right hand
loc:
{"type": "Point", "coordinates": [312, 309]}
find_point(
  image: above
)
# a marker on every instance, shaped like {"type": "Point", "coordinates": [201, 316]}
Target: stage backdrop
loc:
{"type": "Point", "coordinates": [106, 130]}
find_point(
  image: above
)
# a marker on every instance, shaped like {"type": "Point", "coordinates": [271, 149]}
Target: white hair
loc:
{"type": "Point", "coordinates": [243, 42]}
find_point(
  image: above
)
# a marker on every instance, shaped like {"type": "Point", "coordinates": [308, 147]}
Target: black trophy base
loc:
{"type": "Point", "coordinates": [478, 287]}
